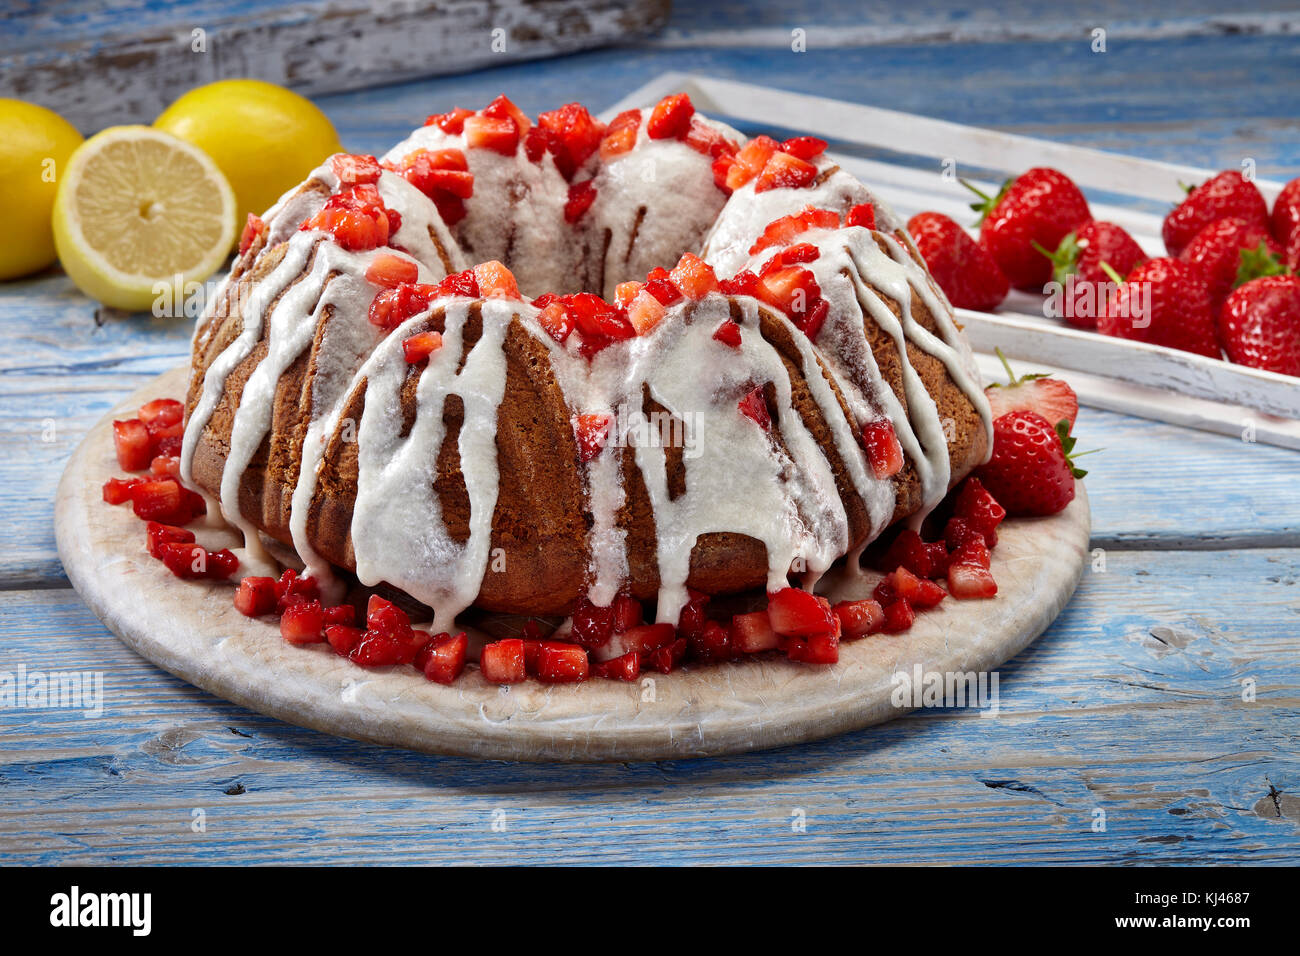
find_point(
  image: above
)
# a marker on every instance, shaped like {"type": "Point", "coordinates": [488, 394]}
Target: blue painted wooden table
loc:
{"type": "Point", "coordinates": [1155, 721]}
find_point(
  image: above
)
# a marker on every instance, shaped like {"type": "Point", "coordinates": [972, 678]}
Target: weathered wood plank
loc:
{"type": "Point", "coordinates": [123, 63]}
{"type": "Point", "coordinates": [1131, 704]}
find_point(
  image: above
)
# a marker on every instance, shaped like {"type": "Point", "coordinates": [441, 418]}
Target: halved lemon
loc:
{"type": "Point", "coordinates": [140, 216]}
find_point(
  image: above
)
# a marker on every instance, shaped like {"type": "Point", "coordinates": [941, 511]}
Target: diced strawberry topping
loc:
{"type": "Point", "coordinates": [291, 589]}
{"type": "Point", "coordinates": [859, 618]}
{"type": "Point", "coordinates": [711, 643]}
{"type": "Point", "coordinates": [192, 562]}
{"type": "Point", "coordinates": [254, 228]}
{"type": "Point", "coordinates": [958, 532]}
{"type": "Point", "coordinates": [461, 283]}
{"type": "Point", "coordinates": [157, 500]}
{"type": "Point", "coordinates": [132, 443]}
{"type": "Point", "coordinates": [166, 466]}
{"type": "Point", "coordinates": [645, 312]}
{"type": "Point", "coordinates": [966, 581]}
{"type": "Point", "coordinates": [419, 347]}
{"type": "Point", "coordinates": [646, 638]}
{"type": "Point", "coordinates": [796, 613]}
{"type": "Point", "coordinates": [581, 196]}
{"type": "Point", "coordinates": [902, 583]}
{"type": "Point", "coordinates": [749, 162]}
{"type": "Point", "coordinates": [908, 551]}
{"type": "Point", "coordinates": [694, 277]}
{"type": "Point", "coordinates": [974, 552]}
{"type": "Point", "coordinates": [671, 118]}
{"type": "Point", "coordinates": [160, 534]}
{"type": "Point", "coordinates": [754, 406]}
{"type": "Point", "coordinates": [555, 319]}
{"type": "Point", "coordinates": [882, 447]}
{"type": "Point", "coordinates": [979, 509]}
{"type": "Point", "coordinates": [728, 333]}
{"type": "Point", "coordinates": [899, 616]}
{"type": "Point", "coordinates": [625, 668]}
{"type": "Point", "coordinates": [591, 431]}
{"type": "Point", "coordinates": [352, 169]}
{"type": "Point", "coordinates": [572, 135]}
{"type": "Point", "coordinates": [117, 491]}
{"type": "Point", "coordinates": [503, 108]}
{"type": "Point", "coordinates": [703, 138]}
{"type": "Point", "coordinates": [791, 289]}
{"type": "Point", "coordinates": [751, 633]}
{"type": "Point", "coordinates": [660, 285]}
{"type": "Point", "coordinates": [495, 281]}
{"type": "Point", "coordinates": [804, 147]}
{"type": "Point", "coordinates": [303, 623]}
{"type": "Point", "coordinates": [341, 614]}
{"type": "Point", "coordinates": [255, 596]}
{"type": "Point", "coordinates": [355, 217]}
{"type": "Point", "coordinates": [343, 639]}
{"type": "Point", "coordinates": [486, 132]}
{"type": "Point", "coordinates": [389, 271]}
{"type": "Point", "coordinates": [665, 659]}
{"type": "Point", "coordinates": [627, 613]}
{"type": "Point", "coordinates": [785, 171]}
{"type": "Point", "coordinates": [816, 649]}
{"type": "Point", "coordinates": [561, 663]}
{"type": "Point", "coordinates": [392, 307]}
{"type": "Point", "coordinates": [742, 283]}
{"type": "Point", "coordinates": [617, 142]}
{"type": "Point", "coordinates": [863, 214]}
{"type": "Point", "coordinates": [502, 662]}
{"type": "Point", "coordinates": [452, 123]}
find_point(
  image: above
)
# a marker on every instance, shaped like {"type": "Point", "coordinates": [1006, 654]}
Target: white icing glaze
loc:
{"type": "Point", "coordinates": [737, 478]}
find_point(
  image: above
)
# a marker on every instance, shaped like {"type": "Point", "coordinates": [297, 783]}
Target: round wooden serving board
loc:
{"type": "Point", "coordinates": [192, 630]}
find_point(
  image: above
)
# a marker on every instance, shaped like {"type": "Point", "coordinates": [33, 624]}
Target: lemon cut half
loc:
{"type": "Point", "coordinates": [138, 210]}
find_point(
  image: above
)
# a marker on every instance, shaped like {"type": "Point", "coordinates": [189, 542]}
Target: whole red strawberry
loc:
{"type": "Point", "coordinates": [1082, 254]}
{"type": "Point", "coordinates": [1260, 324]}
{"type": "Point", "coordinates": [1039, 206]}
{"type": "Point", "coordinates": [1164, 302]}
{"type": "Point", "coordinates": [1030, 472]}
{"type": "Point", "coordinates": [1286, 213]}
{"type": "Point", "coordinates": [1229, 195]}
{"type": "Point", "coordinates": [1037, 392]}
{"type": "Point", "coordinates": [1217, 251]}
{"type": "Point", "coordinates": [966, 273]}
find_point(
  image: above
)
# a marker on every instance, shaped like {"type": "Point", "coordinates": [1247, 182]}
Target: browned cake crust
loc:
{"type": "Point", "coordinates": [542, 516]}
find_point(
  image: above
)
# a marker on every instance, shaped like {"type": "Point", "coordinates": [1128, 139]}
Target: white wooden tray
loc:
{"type": "Point", "coordinates": [191, 629]}
{"type": "Point", "coordinates": [1119, 375]}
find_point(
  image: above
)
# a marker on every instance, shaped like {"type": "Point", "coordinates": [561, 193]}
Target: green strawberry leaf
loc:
{"type": "Point", "coordinates": [1028, 377]}
{"type": "Point", "coordinates": [1257, 263]}
{"type": "Point", "coordinates": [986, 202]}
{"type": "Point", "coordinates": [1067, 445]}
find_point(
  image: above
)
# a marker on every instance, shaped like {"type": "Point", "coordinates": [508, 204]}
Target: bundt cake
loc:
{"type": "Point", "coordinates": [709, 365]}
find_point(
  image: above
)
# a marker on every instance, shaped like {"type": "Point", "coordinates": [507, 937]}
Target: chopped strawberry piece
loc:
{"type": "Point", "coordinates": [385, 617]}
{"type": "Point", "coordinates": [791, 289]}
{"type": "Point", "coordinates": [343, 639]}
{"type": "Point", "coordinates": [859, 618]}
{"type": "Point", "coordinates": [800, 253]}
{"type": "Point", "coordinates": [161, 411]}
{"type": "Point", "coordinates": [796, 613]}
{"type": "Point", "coordinates": [389, 271]}
{"type": "Point", "coordinates": [703, 138]}
{"type": "Point", "coordinates": [617, 142]}
{"type": "Point", "coordinates": [502, 662]}
{"type": "Point", "coordinates": [302, 623]}
{"type": "Point", "coordinates": [662, 288]}
{"type": "Point", "coordinates": [495, 281]}
{"type": "Point", "coordinates": [750, 161]}
{"type": "Point", "coordinates": [535, 142]}
{"type": "Point", "coordinates": [503, 108]}
{"type": "Point", "coordinates": [979, 509]}
{"type": "Point", "coordinates": [291, 589]}
{"type": "Point", "coordinates": [599, 322]}
{"type": "Point", "coordinates": [780, 232]}
{"type": "Point", "coordinates": [572, 135]}
{"type": "Point", "coordinates": [863, 214]}
{"type": "Point", "coordinates": [958, 532]}
{"type": "Point", "coordinates": [712, 643]}
{"type": "Point", "coordinates": [883, 450]}
{"type": "Point", "coordinates": [591, 431]}
{"type": "Point", "coordinates": [908, 551]}
{"type": "Point", "coordinates": [754, 406]}
{"type": "Point", "coordinates": [593, 625]}
{"type": "Point", "coordinates": [783, 171]}
{"type": "Point", "coordinates": [160, 534]}
{"type": "Point", "coordinates": [355, 217]}
{"type": "Point", "coordinates": [383, 650]}
{"type": "Point", "coordinates": [728, 333]}
{"type": "Point", "coordinates": [742, 283]}
{"type": "Point", "coordinates": [671, 118]}
{"type": "Point", "coordinates": [117, 491]}
{"type": "Point", "coordinates": [131, 440]}
{"type": "Point", "coordinates": [499, 135]}
{"type": "Point", "coordinates": [815, 649]}
{"type": "Point", "coordinates": [974, 552]}
{"type": "Point", "coordinates": [625, 668]}
{"type": "Point", "coordinates": [939, 558]}
{"type": "Point", "coordinates": [581, 196]}
{"type": "Point", "coordinates": [627, 613]}
{"type": "Point", "coordinates": [723, 164]}
{"type": "Point", "coordinates": [554, 318]}
{"type": "Point", "coordinates": [190, 561]}
{"type": "Point", "coordinates": [419, 347]}
{"type": "Point", "coordinates": [157, 500]}
{"type": "Point", "coordinates": [254, 228]}
{"type": "Point", "coordinates": [391, 307]}
{"type": "Point", "coordinates": [341, 614]}
{"type": "Point", "coordinates": [645, 638]}
{"type": "Point", "coordinates": [694, 277]}
{"type": "Point", "coordinates": [966, 581]}
{"type": "Point", "coordinates": [352, 169]}
{"type": "Point", "coordinates": [625, 292]}
{"type": "Point", "coordinates": [691, 620]}
{"type": "Point", "coordinates": [645, 312]}
{"type": "Point", "coordinates": [460, 283]}
{"type": "Point", "coordinates": [561, 663]}
{"type": "Point", "coordinates": [452, 123]}
{"type": "Point", "coordinates": [166, 466]}
{"type": "Point", "coordinates": [255, 596]}
{"type": "Point", "coordinates": [665, 659]}
{"type": "Point", "coordinates": [902, 583]}
{"type": "Point", "coordinates": [751, 633]}
{"type": "Point", "coordinates": [804, 147]}
{"type": "Point", "coordinates": [899, 616]}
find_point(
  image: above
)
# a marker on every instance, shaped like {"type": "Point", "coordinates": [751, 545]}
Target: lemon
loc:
{"type": "Point", "coordinates": [35, 144]}
{"type": "Point", "coordinates": [266, 139]}
{"type": "Point", "coordinates": [137, 207]}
